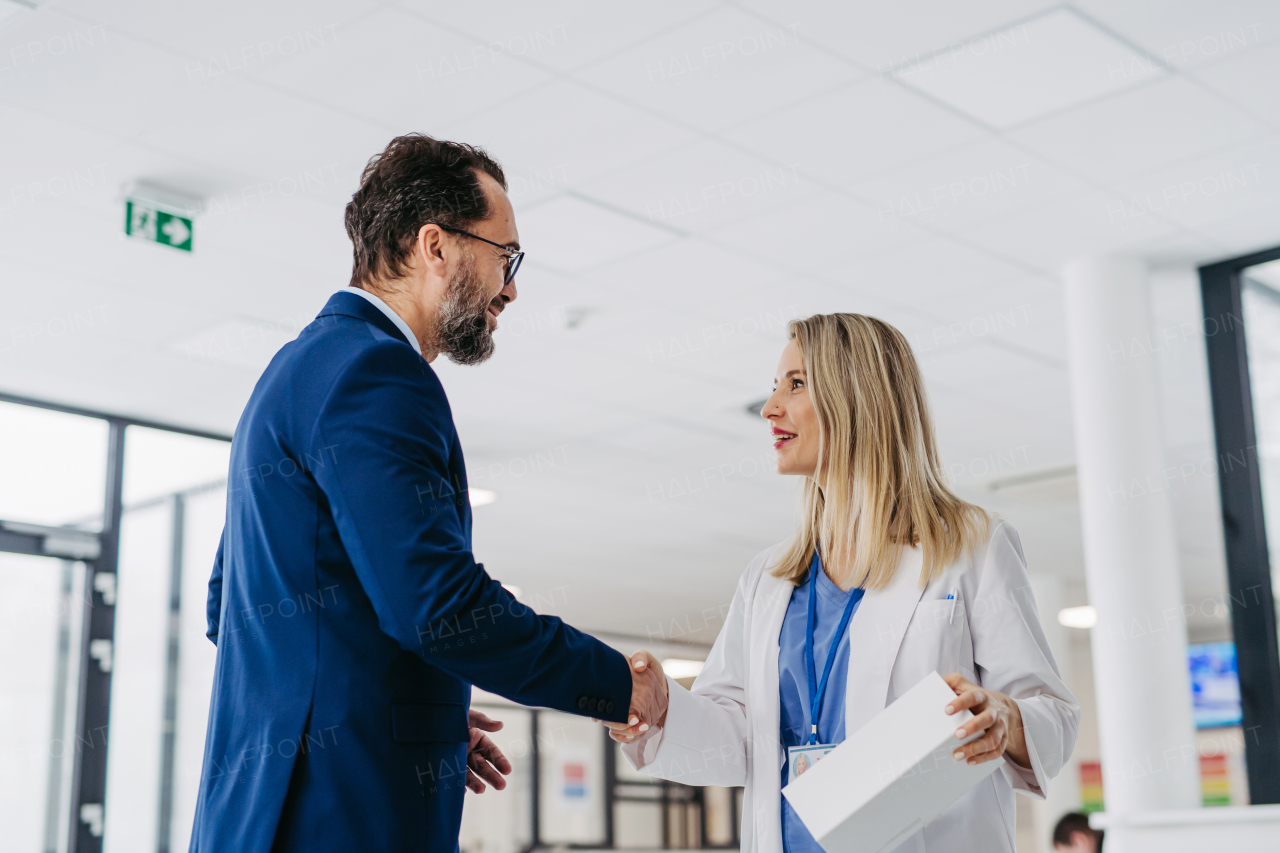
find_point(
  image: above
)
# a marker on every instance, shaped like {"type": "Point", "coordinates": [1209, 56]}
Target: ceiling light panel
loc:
{"type": "Point", "coordinates": [1018, 73]}
{"type": "Point", "coordinates": [721, 69]}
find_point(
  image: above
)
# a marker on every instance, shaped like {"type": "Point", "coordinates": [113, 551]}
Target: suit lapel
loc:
{"type": "Point", "coordinates": [875, 635]}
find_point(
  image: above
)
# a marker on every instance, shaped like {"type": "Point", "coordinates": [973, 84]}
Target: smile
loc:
{"type": "Point", "coordinates": [781, 438]}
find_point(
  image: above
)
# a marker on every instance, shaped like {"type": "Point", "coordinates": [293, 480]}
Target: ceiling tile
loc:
{"type": "Point", "coordinates": [1040, 66]}
{"type": "Point", "coordinates": [823, 236]}
{"type": "Point", "coordinates": [57, 159]}
{"type": "Point", "coordinates": [1139, 130]}
{"type": "Point", "coordinates": [1025, 313]}
{"type": "Point", "coordinates": [236, 33]}
{"type": "Point", "coordinates": [86, 74]}
{"type": "Point", "coordinates": [689, 273]}
{"type": "Point", "coordinates": [882, 33]}
{"type": "Point", "coordinates": [1189, 35]}
{"type": "Point", "coordinates": [932, 269]}
{"type": "Point", "coordinates": [1240, 235]}
{"type": "Point", "coordinates": [1229, 183]}
{"type": "Point", "coordinates": [402, 71]}
{"type": "Point", "coordinates": [967, 185]}
{"type": "Point", "coordinates": [863, 129]}
{"type": "Point", "coordinates": [1048, 236]}
{"type": "Point", "coordinates": [572, 233]}
{"type": "Point", "coordinates": [1246, 80]}
{"type": "Point", "coordinates": [567, 131]}
{"type": "Point", "coordinates": [231, 125]}
{"type": "Point", "coordinates": [563, 34]}
{"type": "Point", "coordinates": [718, 70]}
{"type": "Point", "coordinates": [700, 186]}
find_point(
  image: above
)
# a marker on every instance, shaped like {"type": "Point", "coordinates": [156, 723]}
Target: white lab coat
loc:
{"type": "Point", "coordinates": [725, 731]}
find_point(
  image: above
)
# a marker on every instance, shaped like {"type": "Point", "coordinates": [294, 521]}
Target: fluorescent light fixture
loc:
{"type": "Point", "coordinates": [1078, 617]}
{"type": "Point", "coordinates": [682, 667]}
{"type": "Point", "coordinates": [481, 497]}
{"type": "Point", "coordinates": [513, 589]}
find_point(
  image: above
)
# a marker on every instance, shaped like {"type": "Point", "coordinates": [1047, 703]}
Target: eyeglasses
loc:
{"type": "Point", "coordinates": [513, 258]}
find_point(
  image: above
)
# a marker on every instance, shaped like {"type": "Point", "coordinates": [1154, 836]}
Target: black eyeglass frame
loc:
{"type": "Point", "coordinates": [513, 256]}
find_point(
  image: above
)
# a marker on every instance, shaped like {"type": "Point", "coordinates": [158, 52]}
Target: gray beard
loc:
{"type": "Point", "coordinates": [463, 332]}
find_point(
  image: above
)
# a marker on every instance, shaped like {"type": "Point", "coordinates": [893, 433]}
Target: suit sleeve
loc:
{"type": "Point", "coordinates": [213, 608]}
{"type": "Point", "coordinates": [1012, 656]}
{"type": "Point", "coordinates": [387, 426]}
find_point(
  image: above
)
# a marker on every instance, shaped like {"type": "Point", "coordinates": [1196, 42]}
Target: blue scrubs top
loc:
{"type": "Point", "coordinates": [793, 686]}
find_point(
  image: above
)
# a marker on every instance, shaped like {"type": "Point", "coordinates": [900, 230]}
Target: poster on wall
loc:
{"type": "Point", "coordinates": [573, 778]}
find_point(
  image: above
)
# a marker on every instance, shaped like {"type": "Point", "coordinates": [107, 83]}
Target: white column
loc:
{"type": "Point", "coordinates": [1145, 729]}
{"type": "Point", "coordinates": [1064, 791]}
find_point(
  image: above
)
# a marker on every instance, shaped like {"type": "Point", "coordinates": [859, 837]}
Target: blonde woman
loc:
{"type": "Point", "coordinates": [889, 577]}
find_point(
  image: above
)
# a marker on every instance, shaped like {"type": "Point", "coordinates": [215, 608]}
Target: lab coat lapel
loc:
{"type": "Point", "coordinates": [770, 608]}
{"type": "Point", "coordinates": [771, 600]}
{"type": "Point", "coordinates": [875, 635]}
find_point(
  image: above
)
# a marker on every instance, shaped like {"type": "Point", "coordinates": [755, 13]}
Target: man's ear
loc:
{"type": "Point", "coordinates": [429, 249]}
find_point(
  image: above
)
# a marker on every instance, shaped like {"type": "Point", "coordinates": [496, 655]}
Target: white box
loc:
{"type": "Point", "coordinates": [893, 776]}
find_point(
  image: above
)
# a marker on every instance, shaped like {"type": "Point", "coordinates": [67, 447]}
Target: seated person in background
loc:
{"type": "Point", "coordinates": [1074, 835]}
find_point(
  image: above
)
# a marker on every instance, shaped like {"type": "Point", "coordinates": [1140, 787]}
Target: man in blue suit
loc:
{"type": "Point", "coordinates": [350, 617]}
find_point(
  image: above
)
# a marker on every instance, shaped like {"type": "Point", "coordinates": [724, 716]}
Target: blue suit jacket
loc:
{"type": "Point", "coordinates": [350, 617]}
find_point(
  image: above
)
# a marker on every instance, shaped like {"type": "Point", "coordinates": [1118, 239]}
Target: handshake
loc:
{"type": "Point", "coordinates": [487, 764]}
{"type": "Point", "coordinates": [648, 700]}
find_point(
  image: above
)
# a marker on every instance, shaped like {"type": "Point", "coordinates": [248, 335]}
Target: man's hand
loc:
{"type": "Point", "coordinates": [993, 712]}
{"type": "Point", "coordinates": [484, 759]}
{"type": "Point", "coordinates": [648, 699]}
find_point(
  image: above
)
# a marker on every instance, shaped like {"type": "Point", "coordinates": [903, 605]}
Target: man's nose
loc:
{"type": "Point", "coordinates": [508, 292]}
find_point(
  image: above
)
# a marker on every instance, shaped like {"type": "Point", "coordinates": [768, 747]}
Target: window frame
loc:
{"type": "Point", "coordinates": [1253, 617]}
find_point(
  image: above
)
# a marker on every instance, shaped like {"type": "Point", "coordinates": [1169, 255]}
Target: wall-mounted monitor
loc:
{"type": "Point", "coordinates": [1215, 684]}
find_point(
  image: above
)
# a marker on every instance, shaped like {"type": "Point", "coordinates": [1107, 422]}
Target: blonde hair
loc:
{"type": "Point", "coordinates": [884, 487]}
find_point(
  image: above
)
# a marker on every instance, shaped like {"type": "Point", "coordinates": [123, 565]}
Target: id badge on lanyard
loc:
{"type": "Point", "coordinates": [801, 758]}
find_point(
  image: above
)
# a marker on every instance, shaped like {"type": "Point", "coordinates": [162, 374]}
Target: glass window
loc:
{"type": "Point", "coordinates": [55, 467]}
{"type": "Point", "coordinates": [175, 505]}
{"type": "Point", "coordinates": [41, 602]}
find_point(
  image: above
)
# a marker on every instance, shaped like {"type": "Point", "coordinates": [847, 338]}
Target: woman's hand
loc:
{"type": "Point", "coordinates": [643, 665]}
{"type": "Point", "coordinates": [993, 712]}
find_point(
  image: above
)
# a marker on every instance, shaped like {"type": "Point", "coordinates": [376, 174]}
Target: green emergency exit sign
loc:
{"type": "Point", "coordinates": [144, 222]}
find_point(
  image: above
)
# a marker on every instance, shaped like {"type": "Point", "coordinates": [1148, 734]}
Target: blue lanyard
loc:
{"type": "Point", "coordinates": [816, 690]}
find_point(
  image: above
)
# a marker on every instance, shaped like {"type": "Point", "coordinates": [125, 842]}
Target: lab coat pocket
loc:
{"type": "Point", "coordinates": [934, 640]}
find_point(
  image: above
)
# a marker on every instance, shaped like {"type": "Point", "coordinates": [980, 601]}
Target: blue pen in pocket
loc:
{"type": "Point", "coordinates": [953, 597]}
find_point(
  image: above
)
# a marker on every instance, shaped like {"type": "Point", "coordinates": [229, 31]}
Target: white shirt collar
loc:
{"type": "Point", "coordinates": [377, 302]}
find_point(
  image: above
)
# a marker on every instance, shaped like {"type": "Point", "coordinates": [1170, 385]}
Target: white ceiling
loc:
{"type": "Point", "coordinates": [687, 176]}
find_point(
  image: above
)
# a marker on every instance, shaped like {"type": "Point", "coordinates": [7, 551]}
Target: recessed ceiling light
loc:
{"type": "Point", "coordinates": [682, 667]}
{"type": "Point", "coordinates": [481, 497]}
{"type": "Point", "coordinates": [1031, 69]}
{"type": "Point", "coordinates": [1078, 617]}
{"type": "Point", "coordinates": [513, 589]}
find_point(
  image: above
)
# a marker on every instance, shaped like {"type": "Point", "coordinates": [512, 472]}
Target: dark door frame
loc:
{"type": "Point", "coordinates": [1253, 617]}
